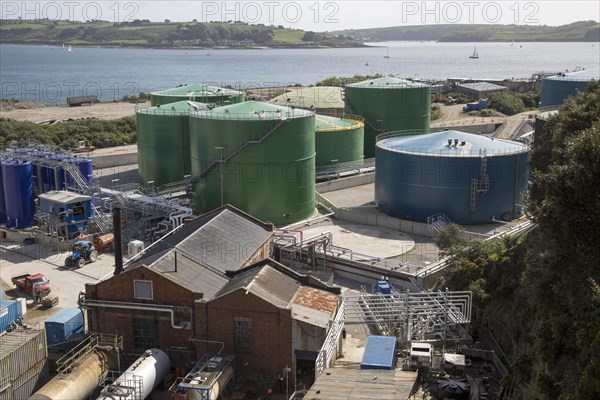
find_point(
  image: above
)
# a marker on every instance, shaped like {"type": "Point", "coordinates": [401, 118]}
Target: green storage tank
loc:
{"type": "Point", "coordinates": [197, 92]}
{"type": "Point", "coordinates": [257, 157]}
{"type": "Point", "coordinates": [388, 104]}
{"type": "Point", "coordinates": [163, 141]}
{"type": "Point", "coordinates": [339, 140]}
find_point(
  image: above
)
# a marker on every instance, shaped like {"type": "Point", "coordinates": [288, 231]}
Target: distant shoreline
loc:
{"type": "Point", "coordinates": [275, 47]}
{"type": "Point", "coordinates": [137, 46]}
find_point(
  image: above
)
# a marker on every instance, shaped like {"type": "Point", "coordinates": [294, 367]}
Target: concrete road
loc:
{"type": "Point", "coordinates": [17, 259]}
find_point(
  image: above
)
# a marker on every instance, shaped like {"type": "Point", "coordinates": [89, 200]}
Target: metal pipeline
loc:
{"type": "Point", "coordinates": [132, 306]}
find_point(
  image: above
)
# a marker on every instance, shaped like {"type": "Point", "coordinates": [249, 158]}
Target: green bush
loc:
{"type": "Point", "coordinates": [436, 113]}
{"type": "Point", "coordinates": [507, 103]}
{"type": "Point", "coordinates": [340, 81]}
{"type": "Point", "coordinates": [99, 133]}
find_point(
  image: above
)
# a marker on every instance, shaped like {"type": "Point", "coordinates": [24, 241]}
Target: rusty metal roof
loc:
{"type": "Point", "coordinates": [307, 304]}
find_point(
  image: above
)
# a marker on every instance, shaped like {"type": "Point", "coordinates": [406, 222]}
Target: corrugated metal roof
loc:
{"type": "Point", "coordinates": [190, 274]}
{"type": "Point", "coordinates": [15, 339]}
{"type": "Point", "coordinates": [219, 241]}
{"type": "Point", "coordinates": [63, 197]}
{"type": "Point", "coordinates": [226, 242]}
{"type": "Point", "coordinates": [307, 304]}
{"type": "Point", "coordinates": [387, 82]}
{"type": "Point", "coordinates": [176, 108]}
{"type": "Point", "coordinates": [315, 97]}
{"type": "Point", "coordinates": [317, 299]}
{"type": "Point", "coordinates": [482, 86]}
{"type": "Point", "coordinates": [436, 144]}
{"type": "Point", "coordinates": [265, 282]}
{"type": "Point", "coordinates": [254, 111]}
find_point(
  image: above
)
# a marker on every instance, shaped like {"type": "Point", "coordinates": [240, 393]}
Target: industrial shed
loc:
{"type": "Point", "coordinates": [479, 90]}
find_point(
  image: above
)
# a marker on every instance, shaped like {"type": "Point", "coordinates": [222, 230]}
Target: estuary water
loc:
{"type": "Point", "coordinates": [49, 74]}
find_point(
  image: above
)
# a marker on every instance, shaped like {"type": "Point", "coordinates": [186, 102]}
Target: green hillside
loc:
{"type": "Point", "coordinates": [143, 33]}
{"type": "Point", "coordinates": [582, 31]}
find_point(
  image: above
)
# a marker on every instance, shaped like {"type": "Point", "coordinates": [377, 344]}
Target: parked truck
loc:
{"type": "Point", "coordinates": [477, 105]}
{"type": "Point", "coordinates": [27, 282]}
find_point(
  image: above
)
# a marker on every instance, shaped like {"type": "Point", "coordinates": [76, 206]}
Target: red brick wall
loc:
{"type": "Point", "coordinates": [119, 321]}
{"type": "Point", "coordinates": [271, 332]}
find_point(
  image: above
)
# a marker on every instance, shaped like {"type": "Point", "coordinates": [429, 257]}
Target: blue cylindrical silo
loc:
{"type": "Point", "coordinates": [556, 89]}
{"type": "Point", "coordinates": [472, 179]}
{"type": "Point", "coordinates": [2, 203]}
{"type": "Point", "coordinates": [18, 176]}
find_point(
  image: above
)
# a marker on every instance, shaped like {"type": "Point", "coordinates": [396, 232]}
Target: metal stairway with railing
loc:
{"type": "Point", "coordinates": [480, 185]}
{"type": "Point", "coordinates": [226, 158]}
{"type": "Point", "coordinates": [87, 187]}
{"type": "Point", "coordinates": [365, 120]}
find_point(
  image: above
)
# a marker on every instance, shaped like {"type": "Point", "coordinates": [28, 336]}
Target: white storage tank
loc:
{"type": "Point", "coordinates": [134, 248]}
{"type": "Point", "coordinates": [140, 379]}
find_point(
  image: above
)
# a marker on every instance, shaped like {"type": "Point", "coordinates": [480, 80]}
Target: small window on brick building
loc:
{"type": "Point", "coordinates": [142, 290]}
{"type": "Point", "coordinates": [242, 334]}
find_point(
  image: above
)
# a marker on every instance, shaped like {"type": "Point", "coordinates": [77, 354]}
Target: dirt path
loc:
{"type": "Point", "coordinates": [98, 110]}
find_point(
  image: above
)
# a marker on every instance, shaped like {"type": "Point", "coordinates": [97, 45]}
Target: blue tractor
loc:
{"type": "Point", "coordinates": [83, 252]}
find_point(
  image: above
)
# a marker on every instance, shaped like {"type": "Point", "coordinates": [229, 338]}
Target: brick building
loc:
{"type": "Point", "coordinates": [211, 287]}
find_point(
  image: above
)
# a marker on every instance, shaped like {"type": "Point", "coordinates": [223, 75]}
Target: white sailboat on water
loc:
{"type": "Point", "coordinates": [69, 49]}
{"type": "Point", "coordinates": [475, 53]}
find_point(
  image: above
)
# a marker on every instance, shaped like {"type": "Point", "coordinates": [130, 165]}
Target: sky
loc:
{"type": "Point", "coordinates": [312, 15]}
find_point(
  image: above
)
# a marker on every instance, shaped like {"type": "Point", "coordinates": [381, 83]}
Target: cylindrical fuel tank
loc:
{"type": "Point", "coordinates": [76, 385]}
{"type": "Point", "coordinates": [216, 389]}
{"type": "Point", "coordinates": [143, 375]}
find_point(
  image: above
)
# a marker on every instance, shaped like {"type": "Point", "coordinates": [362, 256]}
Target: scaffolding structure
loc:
{"type": "Point", "coordinates": [419, 316]}
{"type": "Point", "coordinates": [147, 215]}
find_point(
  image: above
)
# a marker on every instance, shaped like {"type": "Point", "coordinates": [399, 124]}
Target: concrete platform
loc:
{"type": "Point", "coordinates": [17, 259]}
{"type": "Point", "coordinates": [363, 239]}
{"type": "Point", "coordinates": [356, 196]}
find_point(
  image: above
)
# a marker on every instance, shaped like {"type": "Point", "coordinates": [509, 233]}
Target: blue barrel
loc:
{"type": "Point", "coordinates": [2, 203]}
{"type": "Point", "coordinates": [18, 176]}
{"type": "Point", "coordinates": [54, 174]}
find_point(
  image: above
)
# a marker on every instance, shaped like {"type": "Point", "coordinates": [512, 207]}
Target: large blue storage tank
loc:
{"type": "Point", "coordinates": [10, 310]}
{"type": "Point", "coordinates": [380, 353]}
{"type": "Point", "coordinates": [2, 203]}
{"type": "Point", "coordinates": [18, 176]}
{"type": "Point", "coordinates": [555, 89]}
{"type": "Point", "coordinates": [62, 324]}
{"type": "Point", "coordinates": [472, 179]}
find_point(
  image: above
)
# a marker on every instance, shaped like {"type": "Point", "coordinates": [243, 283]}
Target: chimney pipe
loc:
{"type": "Point", "coordinates": [118, 240]}
{"type": "Point", "coordinates": [455, 142]}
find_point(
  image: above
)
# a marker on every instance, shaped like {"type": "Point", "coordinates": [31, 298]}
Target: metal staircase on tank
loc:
{"type": "Point", "coordinates": [365, 120]}
{"type": "Point", "coordinates": [481, 185]}
{"type": "Point", "coordinates": [226, 158]}
{"type": "Point", "coordinates": [83, 186]}
{"type": "Point", "coordinates": [438, 222]}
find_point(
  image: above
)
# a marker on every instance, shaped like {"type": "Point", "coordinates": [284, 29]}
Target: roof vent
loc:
{"type": "Point", "coordinates": [455, 142]}
{"type": "Point", "coordinates": [226, 111]}
{"type": "Point", "coordinates": [449, 142]}
{"type": "Point", "coordinates": [463, 143]}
